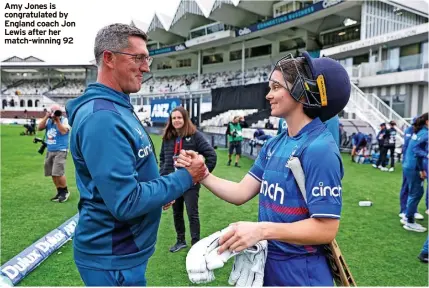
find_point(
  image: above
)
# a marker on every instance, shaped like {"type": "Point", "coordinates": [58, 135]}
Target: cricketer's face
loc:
{"type": "Point", "coordinates": [282, 103]}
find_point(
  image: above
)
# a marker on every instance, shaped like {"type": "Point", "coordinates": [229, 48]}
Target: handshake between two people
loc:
{"type": "Point", "coordinates": [195, 164]}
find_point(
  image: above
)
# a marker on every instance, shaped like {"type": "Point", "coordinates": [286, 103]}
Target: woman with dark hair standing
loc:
{"type": "Point", "coordinates": [415, 172]}
{"type": "Point", "coordinates": [180, 134]}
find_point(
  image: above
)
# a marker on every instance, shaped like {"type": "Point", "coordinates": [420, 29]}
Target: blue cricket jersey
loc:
{"type": "Point", "coordinates": [407, 137]}
{"type": "Point", "coordinates": [416, 151]}
{"type": "Point", "coordinates": [332, 124]}
{"type": "Point", "coordinates": [280, 199]}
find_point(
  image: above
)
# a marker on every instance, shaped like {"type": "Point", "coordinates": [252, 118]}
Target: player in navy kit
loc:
{"type": "Point", "coordinates": [305, 92]}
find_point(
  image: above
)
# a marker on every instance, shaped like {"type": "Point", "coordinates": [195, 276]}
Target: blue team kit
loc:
{"type": "Point", "coordinates": [120, 205]}
{"type": "Point", "coordinates": [281, 201]}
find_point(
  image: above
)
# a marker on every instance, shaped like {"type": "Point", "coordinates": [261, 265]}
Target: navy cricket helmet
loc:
{"type": "Point", "coordinates": [323, 87]}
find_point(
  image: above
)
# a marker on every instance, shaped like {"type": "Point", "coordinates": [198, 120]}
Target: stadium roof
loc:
{"type": "Point", "coordinates": [159, 30]}
{"type": "Point", "coordinates": [263, 8]}
{"type": "Point", "coordinates": [19, 59]}
{"type": "Point", "coordinates": [141, 25]}
{"type": "Point", "coordinates": [189, 15]}
{"type": "Point", "coordinates": [227, 12]}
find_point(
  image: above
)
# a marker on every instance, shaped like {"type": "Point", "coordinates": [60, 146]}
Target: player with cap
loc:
{"type": "Point", "coordinates": [306, 92]}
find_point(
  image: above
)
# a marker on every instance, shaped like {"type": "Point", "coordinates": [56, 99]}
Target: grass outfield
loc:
{"type": "Point", "coordinates": [378, 250]}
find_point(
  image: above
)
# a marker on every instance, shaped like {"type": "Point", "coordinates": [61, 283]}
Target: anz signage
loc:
{"type": "Point", "coordinates": [160, 109]}
{"type": "Point", "coordinates": [321, 5]}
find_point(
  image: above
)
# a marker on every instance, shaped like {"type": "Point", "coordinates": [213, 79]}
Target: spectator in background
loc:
{"type": "Point", "coordinates": [342, 134]}
{"type": "Point", "coordinates": [243, 122]}
{"type": "Point", "coordinates": [269, 125]}
{"type": "Point", "coordinates": [33, 123]}
{"type": "Point", "coordinates": [258, 133]}
{"type": "Point", "coordinates": [359, 141]}
{"type": "Point", "coordinates": [421, 152]}
{"type": "Point", "coordinates": [57, 141]}
{"type": "Point", "coordinates": [235, 138]}
{"type": "Point", "coordinates": [388, 145]}
{"type": "Point", "coordinates": [187, 82]}
{"type": "Point", "coordinates": [180, 134]}
{"type": "Point", "coordinates": [261, 136]}
{"type": "Point", "coordinates": [381, 135]}
{"type": "Point", "coordinates": [403, 194]}
{"type": "Point", "coordinates": [424, 253]}
{"type": "Point", "coordinates": [415, 173]}
{"type": "Point", "coordinates": [380, 140]}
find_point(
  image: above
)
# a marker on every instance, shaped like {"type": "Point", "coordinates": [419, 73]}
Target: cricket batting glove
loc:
{"type": "Point", "coordinates": [196, 265]}
{"type": "Point", "coordinates": [249, 266]}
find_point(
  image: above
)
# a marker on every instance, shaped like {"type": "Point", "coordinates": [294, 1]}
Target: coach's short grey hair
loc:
{"type": "Point", "coordinates": [115, 37]}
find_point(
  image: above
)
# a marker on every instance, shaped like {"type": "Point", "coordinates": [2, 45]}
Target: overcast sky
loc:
{"type": "Point", "coordinates": [90, 16]}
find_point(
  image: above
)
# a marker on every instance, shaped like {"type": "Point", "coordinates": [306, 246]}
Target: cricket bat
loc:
{"type": "Point", "coordinates": [339, 268]}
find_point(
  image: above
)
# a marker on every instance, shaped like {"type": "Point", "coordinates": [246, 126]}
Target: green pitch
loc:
{"type": "Point", "coordinates": [378, 250]}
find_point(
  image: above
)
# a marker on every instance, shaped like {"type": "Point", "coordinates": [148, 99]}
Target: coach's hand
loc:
{"type": "Point", "coordinates": [186, 157]}
{"type": "Point", "coordinates": [194, 163]}
{"type": "Point", "coordinates": [168, 205]}
{"type": "Point", "coordinates": [242, 236]}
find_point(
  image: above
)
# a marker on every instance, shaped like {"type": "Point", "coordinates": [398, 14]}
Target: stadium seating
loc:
{"type": "Point", "coordinates": [40, 87]}
{"type": "Point", "coordinates": [28, 87]}
{"type": "Point", "coordinates": [168, 84]}
{"type": "Point", "coordinates": [261, 123]}
{"type": "Point", "coordinates": [226, 117]}
{"type": "Point", "coordinates": [69, 87]}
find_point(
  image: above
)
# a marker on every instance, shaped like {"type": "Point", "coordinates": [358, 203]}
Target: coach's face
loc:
{"type": "Point", "coordinates": [282, 103]}
{"type": "Point", "coordinates": [128, 71]}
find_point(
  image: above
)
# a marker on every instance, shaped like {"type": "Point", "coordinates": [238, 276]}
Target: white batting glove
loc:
{"type": "Point", "coordinates": [196, 265]}
{"type": "Point", "coordinates": [216, 261]}
{"type": "Point", "coordinates": [248, 268]}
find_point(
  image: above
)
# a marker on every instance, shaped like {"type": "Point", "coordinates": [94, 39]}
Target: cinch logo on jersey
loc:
{"type": "Point", "coordinates": [273, 190]}
{"type": "Point", "coordinates": [160, 110]}
{"type": "Point", "coordinates": [326, 191]}
{"type": "Point", "coordinates": [144, 151]}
